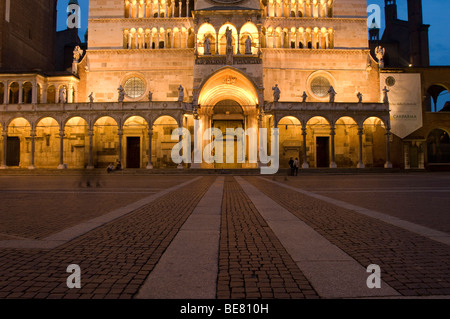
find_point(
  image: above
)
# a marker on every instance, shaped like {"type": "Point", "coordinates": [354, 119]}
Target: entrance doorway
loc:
{"type": "Point", "coordinates": [323, 151]}
{"type": "Point", "coordinates": [13, 151]}
{"type": "Point", "coordinates": [229, 161]}
{"type": "Point", "coordinates": [133, 152]}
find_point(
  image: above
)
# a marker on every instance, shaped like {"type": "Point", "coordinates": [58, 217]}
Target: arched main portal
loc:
{"type": "Point", "coordinates": [229, 99]}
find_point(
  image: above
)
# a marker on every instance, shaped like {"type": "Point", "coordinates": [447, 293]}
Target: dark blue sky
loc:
{"type": "Point", "coordinates": [435, 13]}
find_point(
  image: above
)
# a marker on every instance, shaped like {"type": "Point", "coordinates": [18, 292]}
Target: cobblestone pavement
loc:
{"type": "Point", "coordinates": [117, 258]}
{"type": "Point", "coordinates": [411, 264]}
{"type": "Point", "coordinates": [252, 261]}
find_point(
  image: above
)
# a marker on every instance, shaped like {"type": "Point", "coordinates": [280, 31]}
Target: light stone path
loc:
{"type": "Point", "coordinates": [332, 272]}
{"type": "Point", "coordinates": [188, 268]}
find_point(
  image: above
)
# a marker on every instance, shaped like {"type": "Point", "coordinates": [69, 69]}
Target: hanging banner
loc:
{"type": "Point", "coordinates": [405, 101]}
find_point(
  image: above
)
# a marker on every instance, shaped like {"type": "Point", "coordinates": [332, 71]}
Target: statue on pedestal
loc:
{"type": "Point", "coordinates": [360, 97]}
{"type": "Point", "coordinates": [386, 98]}
{"type": "Point", "coordinates": [304, 97]}
{"type": "Point", "coordinates": [62, 95]}
{"type": "Point", "coordinates": [379, 52]}
{"type": "Point", "coordinates": [121, 94]}
{"type": "Point", "coordinates": [180, 93]}
{"type": "Point", "coordinates": [207, 45]}
{"type": "Point", "coordinates": [150, 96]}
{"type": "Point", "coordinates": [91, 97]}
{"type": "Point", "coordinates": [332, 94]}
{"type": "Point", "coordinates": [276, 93]}
{"type": "Point", "coordinates": [248, 45]}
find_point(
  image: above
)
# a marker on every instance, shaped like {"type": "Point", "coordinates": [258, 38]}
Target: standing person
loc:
{"type": "Point", "coordinates": [291, 167]}
{"type": "Point", "coordinates": [296, 166]}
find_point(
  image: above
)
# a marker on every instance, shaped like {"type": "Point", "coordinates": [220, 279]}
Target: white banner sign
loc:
{"type": "Point", "coordinates": [405, 101]}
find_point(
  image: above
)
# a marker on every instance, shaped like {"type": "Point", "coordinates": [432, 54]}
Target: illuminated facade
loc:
{"type": "Point", "coordinates": [227, 56]}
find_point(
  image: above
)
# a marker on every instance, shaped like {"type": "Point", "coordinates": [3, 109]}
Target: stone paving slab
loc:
{"type": "Point", "coordinates": [188, 268]}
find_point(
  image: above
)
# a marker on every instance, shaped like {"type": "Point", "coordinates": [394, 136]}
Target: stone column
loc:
{"type": "Point", "coordinates": [333, 150]}
{"type": "Point", "coordinates": [312, 8]}
{"type": "Point", "coordinates": [290, 8]}
{"type": "Point", "coordinates": [267, 8]}
{"type": "Point", "coordinates": [5, 140]}
{"type": "Point", "coordinates": [187, 8]}
{"type": "Point", "coordinates": [327, 41]}
{"type": "Point", "coordinates": [304, 8]}
{"type": "Point", "coordinates": [20, 92]}
{"type": "Point", "coordinates": [326, 8]}
{"type": "Point", "coordinates": [151, 8]}
{"type": "Point", "coordinates": [421, 155]}
{"type": "Point", "coordinates": [157, 39]}
{"type": "Point", "coordinates": [238, 45]}
{"type": "Point", "coordinates": [165, 9]}
{"type": "Point", "coordinates": [61, 149]}
{"type": "Point", "coordinates": [296, 38]}
{"type": "Point", "coordinates": [217, 43]}
{"type": "Point", "coordinates": [34, 93]}
{"type": "Point", "coordinates": [120, 133]}
{"type": "Point", "coordinates": [179, 8]}
{"type": "Point", "coordinates": [388, 163]}
{"type": "Point", "coordinates": [274, 39]}
{"type": "Point", "coordinates": [150, 138]}
{"type": "Point", "coordinates": [360, 138]}
{"type": "Point", "coordinates": [91, 147]}
{"type": "Point", "coordinates": [144, 15]}
{"type": "Point", "coordinates": [33, 147]}
{"type": "Point", "coordinates": [305, 43]}
{"type": "Point", "coordinates": [159, 8]}
{"type": "Point", "coordinates": [179, 39]}
{"type": "Point", "coordinates": [305, 164]}
{"type": "Point", "coordinates": [180, 140]}
{"type": "Point", "coordinates": [282, 4]}
{"type": "Point", "coordinates": [44, 93]}
{"type": "Point", "coordinates": [5, 92]}
{"type": "Point", "coordinates": [406, 155]}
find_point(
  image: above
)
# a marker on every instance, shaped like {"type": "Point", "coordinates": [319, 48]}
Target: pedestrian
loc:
{"type": "Point", "coordinates": [110, 168]}
{"type": "Point", "coordinates": [118, 165]}
{"type": "Point", "coordinates": [296, 166]}
{"type": "Point", "coordinates": [291, 167]}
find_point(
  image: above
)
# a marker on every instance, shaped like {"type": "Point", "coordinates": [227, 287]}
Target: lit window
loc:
{"type": "Point", "coordinates": [320, 86]}
{"type": "Point", "coordinates": [134, 87]}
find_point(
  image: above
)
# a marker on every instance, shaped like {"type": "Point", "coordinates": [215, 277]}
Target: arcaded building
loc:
{"type": "Point", "coordinates": [302, 66]}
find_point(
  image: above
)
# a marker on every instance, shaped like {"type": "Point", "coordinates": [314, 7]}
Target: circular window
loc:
{"type": "Point", "coordinates": [134, 87]}
{"type": "Point", "coordinates": [320, 86]}
{"type": "Point", "coordinates": [390, 81]}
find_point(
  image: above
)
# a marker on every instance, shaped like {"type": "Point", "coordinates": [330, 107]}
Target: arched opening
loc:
{"type": "Point", "coordinates": [2, 93]}
{"type": "Point", "coordinates": [27, 91]}
{"type": "Point", "coordinates": [18, 143]}
{"type": "Point", "coordinates": [318, 139]}
{"type": "Point", "coordinates": [346, 142]}
{"type": "Point", "coordinates": [76, 143]}
{"type": "Point", "coordinates": [162, 143]}
{"type": "Point", "coordinates": [135, 135]}
{"type": "Point", "coordinates": [374, 142]}
{"type": "Point", "coordinates": [223, 38]}
{"type": "Point", "coordinates": [51, 94]}
{"type": "Point", "coordinates": [249, 30]}
{"type": "Point", "coordinates": [206, 32]}
{"type": "Point", "coordinates": [438, 147]}
{"type": "Point", "coordinates": [47, 143]}
{"type": "Point", "coordinates": [14, 93]}
{"type": "Point", "coordinates": [437, 99]}
{"type": "Point", "coordinates": [106, 142]}
{"type": "Point", "coordinates": [290, 138]}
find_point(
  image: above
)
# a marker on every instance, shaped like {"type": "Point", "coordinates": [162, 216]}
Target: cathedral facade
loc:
{"type": "Point", "coordinates": [151, 66]}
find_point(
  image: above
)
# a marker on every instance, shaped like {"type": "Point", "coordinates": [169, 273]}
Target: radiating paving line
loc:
{"type": "Point", "coordinates": [331, 272]}
{"type": "Point", "coordinates": [430, 233]}
{"type": "Point", "coordinates": [71, 233]}
{"type": "Point", "coordinates": [188, 269]}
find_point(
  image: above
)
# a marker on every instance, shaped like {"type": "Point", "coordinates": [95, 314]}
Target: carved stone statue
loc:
{"type": "Point", "coordinates": [360, 97]}
{"type": "Point", "coordinates": [207, 46]}
{"type": "Point", "coordinates": [180, 93]}
{"type": "Point", "coordinates": [276, 93]}
{"type": "Point", "coordinates": [77, 53]}
{"type": "Point", "coordinates": [332, 94]}
{"type": "Point", "coordinates": [62, 95]}
{"type": "Point", "coordinates": [248, 45]}
{"type": "Point", "coordinates": [91, 97]}
{"type": "Point", "coordinates": [229, 36]}
{"type": "Point", "coordinates": [121, 94]}
{"type": "Point", "coordinates": [379, 52]}
{"type": "Point", "coordinates": [386, 98]}
{"type": "Point", "coordinates": [304, 97]}
{"type": "Point", "coordinates": [150, 96]}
